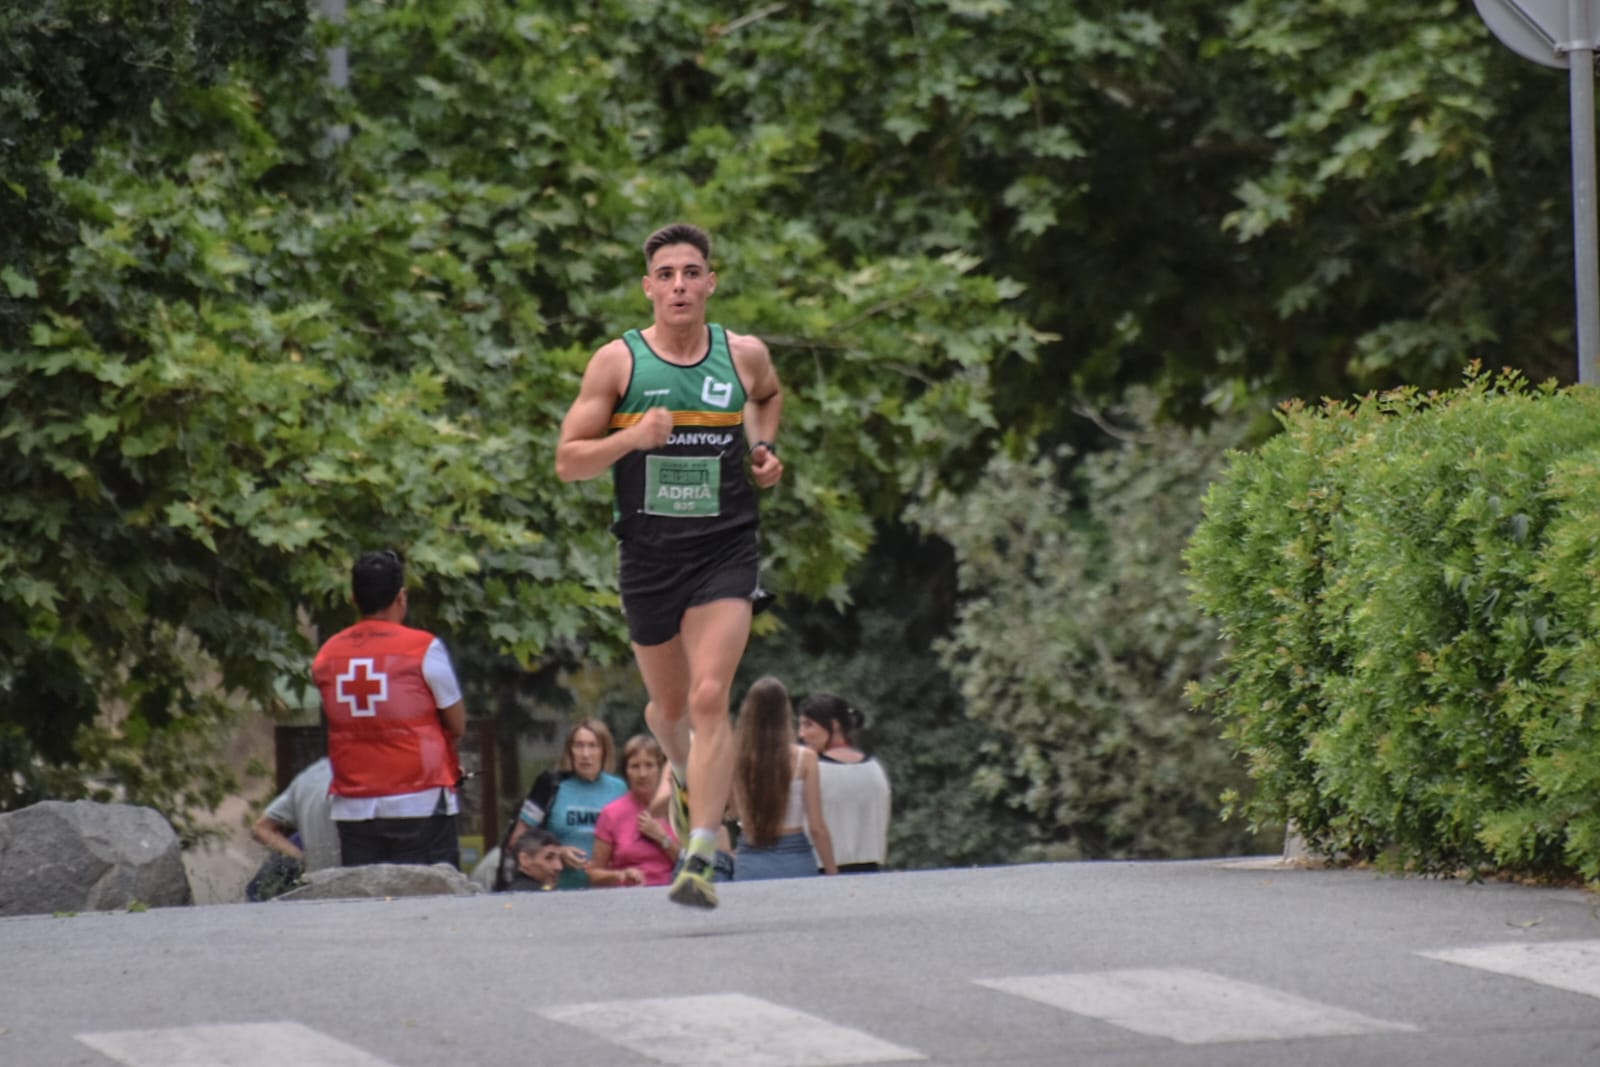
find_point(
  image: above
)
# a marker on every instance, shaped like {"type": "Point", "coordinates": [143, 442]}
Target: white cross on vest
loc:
{"type": "Point", "coordinates": [361, 688]}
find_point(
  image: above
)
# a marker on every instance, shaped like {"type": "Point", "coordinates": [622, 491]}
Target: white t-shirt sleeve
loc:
{"type": "Point", "coordinates": [440, 675]}
{"type": "Point", "coordinates": [282, 810]}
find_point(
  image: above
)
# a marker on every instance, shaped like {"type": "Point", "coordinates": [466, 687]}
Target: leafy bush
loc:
{"type": "Point", "coordinates": [1076, 640]}
{"type": "Point", "coordinates": [1407, 586]}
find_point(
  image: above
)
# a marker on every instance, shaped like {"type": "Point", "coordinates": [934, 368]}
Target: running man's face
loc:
{"type": "Point", "coordinates": [678, 285]}
{"type": "Point", "coordinates": [587, 755]}
{"type": "Point", "coordinates": [812, 735]}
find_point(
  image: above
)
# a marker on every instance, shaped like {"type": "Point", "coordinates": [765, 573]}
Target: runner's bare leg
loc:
{"type": "Point", "coordinates": [665, 670]}
{"type": "Point", "coordinates": [714, 637]}
{"type": "Point", "coordinates": [672, 731]}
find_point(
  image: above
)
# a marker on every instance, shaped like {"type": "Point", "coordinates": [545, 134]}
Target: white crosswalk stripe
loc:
{"type": "Point", "coordinates": [1189, 1006]}
{"type": "Point", "coordinates": [726, 1030]}
{"type": "Point", "coordinates": [1192, 1007]}
{"type": "Point", "coordinates": [229, 1045]}
{"type": "Point", "coordinates": [1570, 965]}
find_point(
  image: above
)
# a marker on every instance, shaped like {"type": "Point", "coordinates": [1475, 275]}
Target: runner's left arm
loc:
{"type": "Point", "coordinates": [763, 407]}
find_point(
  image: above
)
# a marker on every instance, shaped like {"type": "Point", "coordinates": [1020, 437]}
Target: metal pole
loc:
{"type": "Point", "coordinates": [338, 55]}
{"type": "Point", "coordinates": [338, 65]}
{"type": "Point", "coordinates": [1581, 67]}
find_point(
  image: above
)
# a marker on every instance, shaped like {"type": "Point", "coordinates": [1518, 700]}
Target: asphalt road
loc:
{"type": "Point", "coordinates": [1152, 964]}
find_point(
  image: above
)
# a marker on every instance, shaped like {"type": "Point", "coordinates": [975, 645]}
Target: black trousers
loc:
{"type": "Point", "coordinates": [432, 839]}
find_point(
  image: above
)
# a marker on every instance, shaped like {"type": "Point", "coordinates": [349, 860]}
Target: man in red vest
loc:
{"type": "Point", "coordinates": [394, 713]}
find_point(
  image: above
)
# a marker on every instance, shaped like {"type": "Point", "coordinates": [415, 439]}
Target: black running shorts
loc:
{"type": "Point", "coordinates": [657, 587]}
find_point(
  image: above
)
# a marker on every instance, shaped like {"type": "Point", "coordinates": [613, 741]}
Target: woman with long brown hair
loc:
{"type": "Point", "coordinates": [777, 792]}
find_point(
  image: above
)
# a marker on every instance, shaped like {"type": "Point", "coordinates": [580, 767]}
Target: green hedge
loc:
{"type": "Point", "coordinates": [1409, 586]}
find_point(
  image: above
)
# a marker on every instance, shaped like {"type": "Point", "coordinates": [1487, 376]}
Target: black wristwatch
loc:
{"type": "Point", "coordinates": [768, 445]}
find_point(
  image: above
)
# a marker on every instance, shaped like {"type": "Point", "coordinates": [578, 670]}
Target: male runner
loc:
{"type": "Point", "coordinates": [669, 409]}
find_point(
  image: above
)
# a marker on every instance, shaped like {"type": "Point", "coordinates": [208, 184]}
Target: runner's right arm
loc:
{"type": "Point", "coordinates": [588, 448]}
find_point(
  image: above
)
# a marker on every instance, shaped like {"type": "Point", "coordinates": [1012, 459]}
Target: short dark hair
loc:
{"type": "Point", "coordinates": [532, 840]}
{"type": "Point", "coordinates": [376, 580]}
{"type": "Point", "coordinates": [677, 233]}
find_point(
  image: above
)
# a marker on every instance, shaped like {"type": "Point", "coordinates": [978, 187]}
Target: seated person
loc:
{"type": "Point", "coordinates": [484, 871]}
{"type": "Point", "coordinates": [298, 827]}
{"type": "Point", "coordinates": [538, 857]}
{"type": "Point", "coordinates": [631, 845]}
{"type": "Point", "coordinates": [567, 801]}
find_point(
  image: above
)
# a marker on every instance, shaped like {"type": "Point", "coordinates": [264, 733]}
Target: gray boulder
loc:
{"type": "Point", "coordinates": [382, 880]}
{"type": "Point", "coordinates": [82, 856]}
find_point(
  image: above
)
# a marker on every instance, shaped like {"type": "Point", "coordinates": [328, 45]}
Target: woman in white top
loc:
{"type": "Point", "coordinates": [855, 787]}
{"type": "Point", "coordinates": [777, 792]}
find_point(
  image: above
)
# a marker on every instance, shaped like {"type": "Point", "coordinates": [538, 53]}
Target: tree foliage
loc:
{"type": "Point", "coordinates": [1420, 172]}
{"type": "Point", "coordinates": [262, 355]}
{"type": "Point", "coordinates": [235, 348]}
{"type": "Point", "coordinates": [1075, 642]}
{"type": "Point", "coordinates": [1286, 197]}
{"type": "Point", "coordinates": [72, 71]}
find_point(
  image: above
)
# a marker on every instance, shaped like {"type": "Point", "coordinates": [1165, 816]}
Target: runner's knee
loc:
{"type": "Point", "coordinates": [708, 700]}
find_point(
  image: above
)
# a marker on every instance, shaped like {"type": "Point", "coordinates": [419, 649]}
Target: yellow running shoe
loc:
{"type": "Point", "coordinates": [692, 887]}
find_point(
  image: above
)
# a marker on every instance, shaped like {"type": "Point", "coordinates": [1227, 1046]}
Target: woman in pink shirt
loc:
{"type": "Point", "coordinates": [632, 846]}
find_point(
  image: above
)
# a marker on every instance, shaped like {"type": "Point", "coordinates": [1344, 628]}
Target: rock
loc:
{"type": "Point", "coordinates": [1297, 853]}
{"type": "Point", "coordinates": [82, 856]}
{"type": "Point", "coordinates": [382, 880]}
{"type": "Point", "coordinates": [222, 864]}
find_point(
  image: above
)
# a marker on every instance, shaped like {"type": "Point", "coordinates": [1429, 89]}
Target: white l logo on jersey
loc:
{"type": "Point", "coordinates": [716, 393]}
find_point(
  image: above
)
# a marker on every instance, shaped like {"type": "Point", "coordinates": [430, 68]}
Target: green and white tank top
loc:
{"type": "Point", "coordinates": [696, 484]}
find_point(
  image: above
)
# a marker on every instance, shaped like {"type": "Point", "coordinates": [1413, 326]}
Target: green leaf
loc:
{"type": "Point", "coordinates": [17, 284]}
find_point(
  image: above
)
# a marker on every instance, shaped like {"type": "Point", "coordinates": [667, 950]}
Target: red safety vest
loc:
{"type": "Point", "coordinates": [384, 733]}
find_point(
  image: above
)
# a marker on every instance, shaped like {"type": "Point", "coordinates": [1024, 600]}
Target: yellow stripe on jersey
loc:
{"type": "Point", "coordinates": [707, 418]}
{"type": "Point", "coordinates": [621, 420]}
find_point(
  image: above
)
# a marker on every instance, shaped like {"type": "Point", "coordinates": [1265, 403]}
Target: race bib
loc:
{"type": "Point", "coordinates": [682, 486]}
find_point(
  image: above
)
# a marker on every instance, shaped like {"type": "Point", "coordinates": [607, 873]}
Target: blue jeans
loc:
{"type": "Point", "coordinates": [789, 857]}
